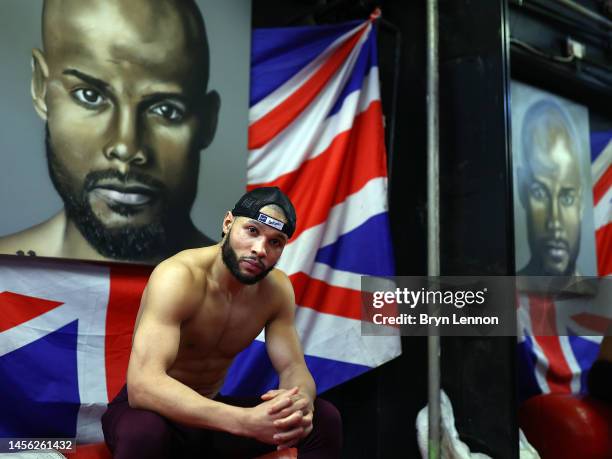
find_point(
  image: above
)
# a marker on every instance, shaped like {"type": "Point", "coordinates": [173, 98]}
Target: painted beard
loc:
{"type": "Point", "coordinates": [230, 259]}
{"type": "Point", "coordinates": [130, 242]}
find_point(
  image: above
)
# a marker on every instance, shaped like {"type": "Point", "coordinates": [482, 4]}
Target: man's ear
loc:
{"type": "Point", "coordinates": [227, 222]}
{"type": "Point", "coordinates": [38, 88]}
{"type": "Point", "coordinates": [210, 116]}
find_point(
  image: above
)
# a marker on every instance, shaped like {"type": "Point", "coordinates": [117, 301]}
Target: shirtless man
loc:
{"type": "Point", "coordinates": [199, 310]}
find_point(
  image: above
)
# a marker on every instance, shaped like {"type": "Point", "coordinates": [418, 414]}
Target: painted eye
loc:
{"type": "Point", "coordinates": [169, 111]}
{"type": "Point", "coordinates": [538, 192]}
{"type": "Point", "coordinates": [88, 97]}
{"type": "Point", "coordinates": [567, 199]}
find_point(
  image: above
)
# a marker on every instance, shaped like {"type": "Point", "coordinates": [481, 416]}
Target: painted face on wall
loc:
{"type": "Point", "coordinates": [552, 196]}
{"type": "Point", "coordinates": [122, 86]}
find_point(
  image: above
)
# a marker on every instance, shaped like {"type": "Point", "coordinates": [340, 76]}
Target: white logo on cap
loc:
{"type": "Point", "coordinates": [273, 222]}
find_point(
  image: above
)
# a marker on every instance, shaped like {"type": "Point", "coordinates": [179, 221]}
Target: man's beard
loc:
{"type": "Point", "coordinates": [230, 259]}
{"type": "Point", "coordinates": [129, 242]}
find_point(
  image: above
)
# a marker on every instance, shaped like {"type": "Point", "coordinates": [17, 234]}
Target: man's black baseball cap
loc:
{"type": "Point", "coordinates": [249, 205]}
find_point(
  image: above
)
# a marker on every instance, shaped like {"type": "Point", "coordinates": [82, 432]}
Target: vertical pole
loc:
{"type": "Point", "coordinates": [433, 223]}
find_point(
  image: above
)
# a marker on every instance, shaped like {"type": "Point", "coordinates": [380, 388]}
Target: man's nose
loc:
{"type": "Point", "coordinates": [123, 143]}
{"type": "Point", "coordinates": [554, 222]}
{"type": "Point", "coordinates": [259, 247]}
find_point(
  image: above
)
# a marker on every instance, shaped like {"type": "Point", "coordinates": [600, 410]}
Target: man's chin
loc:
{"type": "Point", "coordinates": [250, 279]}
{"type": "Point", "coordinates": [121, 240]}
{"type": "Point", "coordinates": [557, 268]}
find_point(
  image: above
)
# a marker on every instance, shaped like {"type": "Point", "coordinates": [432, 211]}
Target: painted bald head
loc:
{"type": "Point", "coordinates": [551, 188]}
{"type": "Point", "coordinates": [122, 85]}
{"type": "Point", "coordinates": [151, 32]}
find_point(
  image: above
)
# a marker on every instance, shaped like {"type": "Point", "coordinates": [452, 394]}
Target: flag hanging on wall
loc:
{"type": "Point", "coordinates": [601, 155]}
{"type": "Point", "coordinates": [316, 132]}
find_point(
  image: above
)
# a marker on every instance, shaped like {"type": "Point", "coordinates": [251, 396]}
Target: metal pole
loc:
{"type": "Point", "coordinates": [433, 223]}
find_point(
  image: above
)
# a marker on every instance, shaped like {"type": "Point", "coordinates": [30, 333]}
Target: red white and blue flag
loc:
{"type": "Point", "coordinates": [560, 364]}
{"type": "Point", "coordinates": [601, 155]}
{"type": "Point", "coordinates": [316, 132]}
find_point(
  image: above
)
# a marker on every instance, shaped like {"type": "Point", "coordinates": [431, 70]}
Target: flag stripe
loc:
{"type": "Point", "coordinates": [17, 309]}
{"type": "Point", "coordinates": [284, 91]}
{"type": "Point", "coordinates": [599, 141]}
{"type": "Point", "coordinates": [40, 382]}
{"type": "Point", "coordinates": [264, 129]}
{"type": "Point", "coordinates": [364, 63]}
{"type": "Point", "coordinates": [311, 134]}
{"type": "Point", "coordinates": [338, 338]}
{"type": "Point", "coordinates": [361, 151]}
{"type": "Point", "coordinates": [602, 186]}
{"type": "Point", "coordinates": [354, 252]}
{"type": "Point", "coordinates": [558, 374]}
{"type": "Point", "coordinates": [253, 374]}
{"type": "Point", "coordinates": [278, 54]}
{"type": "Point", "coordinates": [603, 240]}
{"type": "Point", "coordinates": [543, 322]}
{"type": "Point", "coordinates": [126, 286]}
{"type": "Point", "coordinates": [300, 253]}
{"type": "Point", "coordinates": [322, 297]}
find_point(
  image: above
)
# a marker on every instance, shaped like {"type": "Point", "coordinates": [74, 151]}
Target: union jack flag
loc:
{"type": "Point", "coordinates": [560, 364]}
{"type": "Point", "coordinates": [316, 132]}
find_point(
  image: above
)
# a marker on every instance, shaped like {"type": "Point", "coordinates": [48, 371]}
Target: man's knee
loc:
{"type": "Point", "coordinates": [142, 434]}
{"type": "Point", "coordinates": [328, 423]}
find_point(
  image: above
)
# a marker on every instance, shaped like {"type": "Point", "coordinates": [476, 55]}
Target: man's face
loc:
{"type": "Point", "coordinates": [124, 99]}
{"type": "Point", "coordinates": [251, 249]}
{"type": "Point", "coordinates": [552, 197]}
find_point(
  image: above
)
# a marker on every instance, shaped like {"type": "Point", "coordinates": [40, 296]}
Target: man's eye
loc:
{"type": "Point", "coordinates": [567, 199]}
{"type": "Point", "coordinates": [537, 192]}
{"type": "Point", "coordinates": [252, 230]}
{"type": "Point", "coordinates": [168, 111]}
{"type": "Point", "coordinates": [88, 97]}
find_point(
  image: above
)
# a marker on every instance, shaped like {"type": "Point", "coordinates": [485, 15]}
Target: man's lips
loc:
{"type": "Point", "coordinates": [135, 194]}
{"type": "Point", "coordinates": [252, 265]}
{"type": "Point", "coordinates": [557, 249]}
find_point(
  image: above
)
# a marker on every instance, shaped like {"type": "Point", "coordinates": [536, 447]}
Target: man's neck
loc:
{"type": "Point", "coordinates": [220, 274]}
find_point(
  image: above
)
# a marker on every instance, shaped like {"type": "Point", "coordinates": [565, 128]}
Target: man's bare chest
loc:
{"type": "Point", "coordinates": [221, 331]}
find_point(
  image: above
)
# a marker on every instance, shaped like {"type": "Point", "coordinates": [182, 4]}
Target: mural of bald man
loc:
{"type": "Point", "coordinates": [122, 88]}
{"type": "Point", "coordinates": [550, 190]}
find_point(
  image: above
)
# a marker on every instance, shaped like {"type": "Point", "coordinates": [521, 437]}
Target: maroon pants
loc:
{"type": "Point", "coordinates": [133, 433]}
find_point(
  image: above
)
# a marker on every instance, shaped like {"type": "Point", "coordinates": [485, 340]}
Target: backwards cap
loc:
{"type": "Point", "coordinates": [250, 204]}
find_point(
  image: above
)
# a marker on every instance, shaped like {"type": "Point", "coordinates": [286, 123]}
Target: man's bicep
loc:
{"type": "Point", "coordinates": [166, 303]}
{"type": "Point", "coordinates": [155, 343]}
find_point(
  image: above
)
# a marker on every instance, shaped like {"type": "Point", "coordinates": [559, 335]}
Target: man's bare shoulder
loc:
{"type": "Point", "coordinates": [277, 288]}
{"type": "Point", "coordinates": [185, 273]}
{"type": "Point", "coordinates": [44, 239]}
{"type": "Point", "coordinates": [176, 287]}
{"type": "Point", "coordinates": [194, 260]}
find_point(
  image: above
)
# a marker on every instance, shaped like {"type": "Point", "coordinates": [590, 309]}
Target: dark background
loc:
{"type": "Point", "coordinates": [481, 49]}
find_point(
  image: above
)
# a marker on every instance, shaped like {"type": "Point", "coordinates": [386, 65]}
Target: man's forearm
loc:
{"type": "Point", "coordinates": [178, 402]}
{"type": "Point", "coordinates": [298, 375]}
